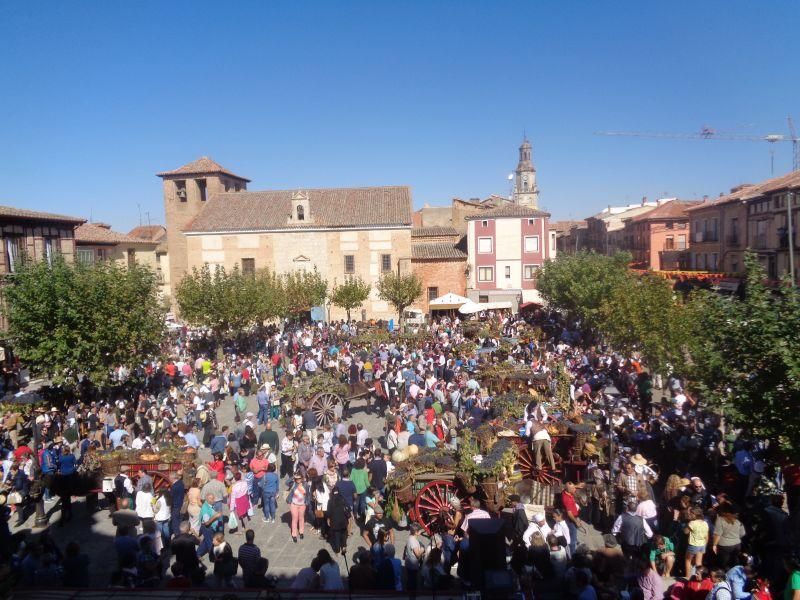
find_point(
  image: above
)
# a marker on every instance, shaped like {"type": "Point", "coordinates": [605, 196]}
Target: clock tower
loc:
{"type": "Point", "coordinates": [526, 192]}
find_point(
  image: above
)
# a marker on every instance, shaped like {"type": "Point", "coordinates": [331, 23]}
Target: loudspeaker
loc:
{"type": "Point", "coordinates": [487, 549]}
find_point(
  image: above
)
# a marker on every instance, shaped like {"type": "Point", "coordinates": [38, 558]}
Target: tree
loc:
{"type": "Point", "coordinates": [581, 283]}
{"type": "Point", "coordinates": [399, 290]}
{"type": "Point", "coordinates": [747, 356]}
{"type": "Point", "coordinates": [350, 294]}
{"type": "Point", "coordinates": [643, 314]}
{"type": "Point", "coordinates": [304, 290]}
{"type": "Point", "coordinates": [66, 320]}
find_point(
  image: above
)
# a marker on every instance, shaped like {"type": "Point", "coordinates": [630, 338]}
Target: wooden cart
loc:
{"type": "Point", "coordinates": [324, 392]}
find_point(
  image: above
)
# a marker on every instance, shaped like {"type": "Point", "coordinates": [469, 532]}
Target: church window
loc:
{"type": "Point", "coordinates": [180, 190]}
{"type": "Point", "coordinates": [248, 266]}
{"type": "Point", "coordinates": [201, 187]}
{"type": "Point", "coordinates": [349, 264]}
{"type": "Point", "coordinates": [386, 262]}
{"type": "Point", "coordinates": [524, 185]}
{"type": "Point", "coordinates": [301, 213]}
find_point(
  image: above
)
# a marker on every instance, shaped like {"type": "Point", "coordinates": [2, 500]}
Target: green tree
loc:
{"type": "Point", "coordinates": [581, 283]}
{"type": "Point", "coordinates": [350, 294]}
{"type": "Point", "coordinates": [644, 314]}
{"type": "Point", "coordinates": [747, 356]}
{"type": "Point", "coordinates": [65, 320]}
{"type": "Point", "coordinates": [399, 290]}
{"type": "Point", "coordinates": [304, 290]}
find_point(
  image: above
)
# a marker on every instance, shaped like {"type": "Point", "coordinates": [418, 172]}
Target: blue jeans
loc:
{"type": "Point", "coordinates": [275, 412]}
{"type": "Point", "coordinates": [208, 540]}
{"type": "Point", "coordinates": [573, 536]}
{"type": "Point", "coordinates": [270, 504]}
{"type": "Point", "coordinates": [263, 414]}
{"type": "Point", "coordinates": [164, 528]}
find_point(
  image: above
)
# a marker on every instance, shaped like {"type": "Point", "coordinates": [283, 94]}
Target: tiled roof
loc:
{"type": "Point", "coordinates": [790, 180]}
{"type": "Point", "coordinates": [433, 231]}
{"type": "Point", "coordinates": [22, 213]}
{"type": "Point", "coordinates": [436, 251]}
{"type": "Point", "coordinates": [507, 210]}
{"type": "Point", "coordinates": [565, 226]}
{"type": "Point", "coordinates": [328, 208]}
{"type": "Point", "coordinates": [202, 166]}
{"type": "Point", "coordinates": [92, 233]}
{"type": "Point", "coordinates": [673, 209]}
{"type": "Point", "coordinates": [152, 233]}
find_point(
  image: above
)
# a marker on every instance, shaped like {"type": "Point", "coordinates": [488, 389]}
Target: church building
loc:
{"type": "Point", "coordinates": [213, 219]}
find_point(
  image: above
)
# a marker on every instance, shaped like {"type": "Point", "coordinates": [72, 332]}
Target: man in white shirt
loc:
{"type": "Point", "coordinates": [538, 523]}
{"type": "Point", "coordinates": [476, 513]}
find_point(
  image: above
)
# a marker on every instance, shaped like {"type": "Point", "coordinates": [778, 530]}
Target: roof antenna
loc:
{"type": "Point", "coordinates": [139, 206]}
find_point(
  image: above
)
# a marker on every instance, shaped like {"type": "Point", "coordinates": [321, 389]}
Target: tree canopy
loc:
{"type": "Point", "coordinates": [67, 320]}
{"type": "Point", "coordinates": [350, 294]}
{"type": "Point", "coordinates": [399, 290]}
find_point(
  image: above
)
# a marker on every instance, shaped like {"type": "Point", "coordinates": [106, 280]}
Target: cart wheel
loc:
{"type": "Point", "coordinates": [526, 463]}
{"type": "Point", "coordinates": [432, 505]}
{"type": "Point", "coordinates": [323, 406]}
{"type": "Point", "coordinates": [160, 481]}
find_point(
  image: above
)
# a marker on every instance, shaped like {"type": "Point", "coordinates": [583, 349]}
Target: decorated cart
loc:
{"type": "Point", "coordinates": [323, 392]}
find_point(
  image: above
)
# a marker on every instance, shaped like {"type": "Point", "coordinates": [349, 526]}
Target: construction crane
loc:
{"type": "Point", "coordinates": [707, 133]}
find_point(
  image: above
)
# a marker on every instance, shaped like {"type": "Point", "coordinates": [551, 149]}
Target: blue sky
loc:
{"type": "Point", "coordinates": [99, 96]}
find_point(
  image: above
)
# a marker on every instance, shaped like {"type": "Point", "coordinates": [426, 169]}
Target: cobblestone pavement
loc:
{"type": "Point", "coordinates": [95, 533]}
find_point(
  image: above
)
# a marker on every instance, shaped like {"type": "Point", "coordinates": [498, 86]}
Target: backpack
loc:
{"type": "Point", "coordinates": [119, 485]}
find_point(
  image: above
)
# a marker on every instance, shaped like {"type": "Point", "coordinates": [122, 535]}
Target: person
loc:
{"type": "Point", "coordinates": [163, 514]}
{"type": "Point", "coordinates": [75, 567]}
{"type": "Point", "coordinates": [249, 554]}
{"type": "Point", "coordinates": [144, 504]}
{"type": "Point", "coordinates": [697, 530]}
{"type": "Point", "coordinates": [542, 441]}
{"type": "Point", "coordinates": [558, 556]}
{"type": "Point", "coordinates": [269, 493]}
{"type": "Point", "coordinates": [307, 578]}
{"type": "Point", "coordinates": [184, 549]}
{"type": "Point", "coordinates": [330, 579]}
{"type": "Point", "coordinates": [561, 530]}
{"type": "Point", "coordinates": [177, 493]}
{"type": "Point", "coordinates": [211, 522]}
{"type": "Point", "coordinates": [362, 575]}
{"type": "Point", "coordinates": [584, 586]}
{"type": "Point", "coordinates": [727, 539]}
{"type": "Point", "coordinates": [699, 584]}
{"type": "Point", "coordinates": [377, 524]}
{"type": "Point", "coordinates": [224, 562]}
{"type": "Point", "coordinates": [390, 571]}
{"type": "Point", "coordinates": [347, 489]}
{"type": "Point", "coordinates": [649, 581]}
{"type": "Point", "coordinates": [433, 574]}
{"type": "Point", "coordinates": [791, 564]}
{"type": "Point", "coordinates": [239, 501]}
{"type": "Point", "coordinates": [739, 578]}
{"type": "Point", "coordinates": [721, 589]}
{"type": "Point", "coordinates": [537, 524]}
{"type": "Point", "coordinates": [338, 521]}
{"type": "Point", "coordinates": [412, 555]}
{"type": "Point", "coordinates": [662, 555]}
{"type": "Point", "coordinates": [321, 495]}
{"type": "Point", "coordinates": [297, 499]}
{"type": "Point", "coordinates": [360, 479]}
{"type": "Point", "coordinates": [632, 531]}
{"type": "Point", "coordinates": [572, 512]}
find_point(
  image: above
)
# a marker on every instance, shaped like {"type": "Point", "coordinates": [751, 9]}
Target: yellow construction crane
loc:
{"type": "Point", "coordinates": [707, 133]}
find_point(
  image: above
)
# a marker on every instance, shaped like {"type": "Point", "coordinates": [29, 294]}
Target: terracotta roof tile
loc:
{"type": "Point", "coordinates": [22, 213]}
{"type": "Point", "coordinates": [328, 208]}
{"type": "Point", "coordinates": [93, 233]}
{"type": "Point", "coordinates": [202, 166]}
{"type": "Point", "coordinates": [507, 210]}
{"type": "Point", "coordinates": [433, 231]}
{"type": "Point", "coordinates": [565, 226]}
{"type": "Point", "coordinates": [790, 180]}
{"type": "Point", "coordinates": [152, 233]}
{"type": "Point", "coordinates": [672, 209]}
{"type": "Point", "coordinates": [436, 251]}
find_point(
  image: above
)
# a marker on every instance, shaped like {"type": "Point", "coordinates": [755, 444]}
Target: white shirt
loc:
{"type": "Point", "coordinates": [618, 525]}
{"type": "Point", "coordinates": [162, 511]}
{"type": "Point", "coordinates": [361, 437]}
{"type": "Point", "coordinates": [144, 505]}
{"type": "Point", "coordinates": [560, 529]}
{"type": "Point", "coordinates": [533, 528]}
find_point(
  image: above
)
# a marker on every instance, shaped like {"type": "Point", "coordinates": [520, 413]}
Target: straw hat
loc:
{"type": "Point", "coordinates": [638, 459]}
{"type": "Point", "coordinates": [684, 482]}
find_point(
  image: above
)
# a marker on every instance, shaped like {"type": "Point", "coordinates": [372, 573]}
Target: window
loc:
{"type": "Point", "coordinates": [349, 263]}
{"type": "Point", "coordinates": [52, 247]}
{"type": "Point", "coordinates": [734, 266]}
{"type": "Point", "coordinates": [227, 186]}
{"type": "Point", "coordinates": [734, 231]}
{"type": "Point", "coordinates": [669, 242]}
{"type": "Point", "coordinates": [485, 245]}
{"type": "Point", "coordinates": [529, 271]}
{"type": "Point", "coordinates": [180, 190]}
{"type": "Point", "coordinates": [670, 225]}
{"type": "Point", "coordinates": [131, 258]}
{"type": "Point", "coordinates": [237, 188]}
{"type": "Point", "coordinates": [712, 266]}
{"type": "Point", "coordinates": [483, 299]}
{"type": "Point", "coordinates": [301, 213]}
{"type": "Point", "coordinates": [248, 266]}
{"type": "Point", "coordinates": [386, 262]}
{"type": "Point", "coordinates": [433, 293]}
{"type": "Point", "coordinates": [682, 242]}
{"type": "Point", "coordinates": [484, 223]}
{"type": "Point", "coordinates": [531, 221]}
{"type": "Point", "coordinates": [524, 185]}
{"type": "Point", "coordinates": [531, 243]}
{"type": "Point", "coordinates": [15, 252]}
{"type": "Point", "coordinates": [201, 187]}
{"type": "Point", "coordinates": [85, 256]}
{"type": "Point", "coordinates": [553, 242]}
{"type": "Point", "coordinates": [485, 273]}
{"type": "Point", "coordinates": [508, 272]}
{"type": "Point", "coordinates": [101, 254]}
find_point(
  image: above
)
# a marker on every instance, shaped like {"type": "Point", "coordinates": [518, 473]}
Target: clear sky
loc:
{"type": "Point", "coordinates": [96, 97]}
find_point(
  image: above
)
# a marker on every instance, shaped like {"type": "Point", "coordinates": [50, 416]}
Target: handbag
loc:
{"type": "Point", "coordinates": [319, 513]}
{"type": "Point", "coordinates": [14, 498]}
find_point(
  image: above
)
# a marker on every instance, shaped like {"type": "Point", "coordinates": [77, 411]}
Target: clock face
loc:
{"type": "Point", "coordinates": [524, 178]}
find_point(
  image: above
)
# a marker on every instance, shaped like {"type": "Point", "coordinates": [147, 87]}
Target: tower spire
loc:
{"type": "Point", "coordinates": [526, 193]}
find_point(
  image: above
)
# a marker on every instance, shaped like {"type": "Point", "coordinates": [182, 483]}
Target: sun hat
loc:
{"type": "Point", "coordinates": [638, 459]}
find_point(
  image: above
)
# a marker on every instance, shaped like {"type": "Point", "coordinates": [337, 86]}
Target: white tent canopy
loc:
{"type": "Point", "coordinates": [448, 301]}
{"type": "Point", "coordinates": [474, 307]}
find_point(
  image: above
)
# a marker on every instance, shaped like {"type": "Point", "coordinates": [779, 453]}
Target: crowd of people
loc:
{"type": "Point", "coordinates": [662, 498]}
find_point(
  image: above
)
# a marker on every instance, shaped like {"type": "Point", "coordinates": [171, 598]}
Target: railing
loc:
{"type": "Point", "coordinates": [760, 242]}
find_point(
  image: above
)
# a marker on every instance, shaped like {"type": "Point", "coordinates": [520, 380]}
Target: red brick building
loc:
{"type": "Point", "coordinates": [439, 259]}
{"type": "Point", "coordinates": [659, 238]}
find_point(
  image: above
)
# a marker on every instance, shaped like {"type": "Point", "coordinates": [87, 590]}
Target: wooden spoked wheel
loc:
{"type": "Point", "coordinates": [526, 463]}
{"type": "Point", "coordinates": [160, 481]}
{"type": "Point", "coordinates": [323, 405]}
{"type": "Point", "coordinates": [432, 507]}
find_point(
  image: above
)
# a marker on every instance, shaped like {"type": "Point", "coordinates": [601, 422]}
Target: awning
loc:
{"type": "Point", "coordinates": [448, 302]}
{"type": "Point", "coordinates": [471, 308]}
{"type": "Point", "coordinates": [533, 297]}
